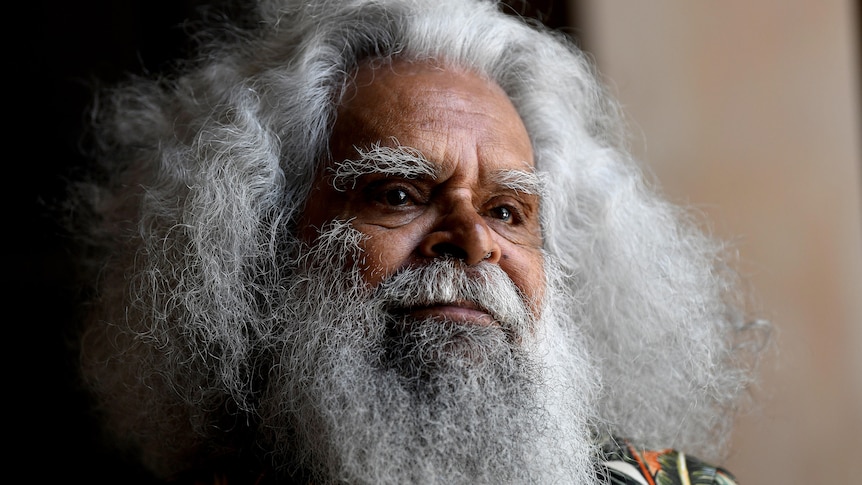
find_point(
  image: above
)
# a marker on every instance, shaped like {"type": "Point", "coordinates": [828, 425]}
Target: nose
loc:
{"type": "Point", "coordinates": [462, 233]}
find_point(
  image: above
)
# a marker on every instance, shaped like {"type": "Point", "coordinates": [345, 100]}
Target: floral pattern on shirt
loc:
{"type": "Point", "coordinates": [626, 465]}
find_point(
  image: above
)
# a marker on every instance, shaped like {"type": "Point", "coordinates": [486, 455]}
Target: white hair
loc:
{"type": "Point", "coordinates": [369, 395]}
{"type": "Point", "coordinates": [207, 171]}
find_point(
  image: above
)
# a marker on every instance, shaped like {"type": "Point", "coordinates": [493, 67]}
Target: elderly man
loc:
{"type": "Point", "coordinates": [398, 241]}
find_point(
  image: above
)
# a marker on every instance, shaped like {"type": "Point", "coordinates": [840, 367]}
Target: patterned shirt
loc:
{"type": "Point", "coordinates": [626, 465]}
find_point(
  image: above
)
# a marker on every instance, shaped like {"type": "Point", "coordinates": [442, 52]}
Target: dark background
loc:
{"type": "Point", "coordinates": [60, 50]}
{"type": "Point", "coordinates": [66, 48]}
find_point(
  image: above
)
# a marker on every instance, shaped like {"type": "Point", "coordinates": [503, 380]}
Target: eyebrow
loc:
{"type": "Point", "coordinates": [398, 161]}
{"type": "Point", "coordinates": [525, 181]}
{"type": "Point", "coordinates": [409, 163]}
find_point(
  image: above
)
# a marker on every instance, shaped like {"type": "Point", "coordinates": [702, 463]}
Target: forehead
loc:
{"type": "Point", "coordinates": [445, 112]}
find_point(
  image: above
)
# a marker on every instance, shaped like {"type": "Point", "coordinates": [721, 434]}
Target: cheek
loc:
{"type": "Point", "coordinates": [384, 251]}
{"type": "Point", "coordinates": [526, 269]}
{"type": "Point", "coordinates": [323, 205]}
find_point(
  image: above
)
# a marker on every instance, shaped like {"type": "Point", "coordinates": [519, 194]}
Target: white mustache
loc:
{"type": "Point", "coordinates": [451, 282]}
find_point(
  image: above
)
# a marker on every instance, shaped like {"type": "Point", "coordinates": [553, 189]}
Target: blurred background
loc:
{"type": "Point", "coordinates": [748, 112]}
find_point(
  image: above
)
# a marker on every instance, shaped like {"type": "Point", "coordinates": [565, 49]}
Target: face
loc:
{"type": "Point", "coordinates": [430, 162]}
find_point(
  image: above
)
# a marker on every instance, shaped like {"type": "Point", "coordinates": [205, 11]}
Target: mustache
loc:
{"type": "Point", "coordinates": [449, 281]}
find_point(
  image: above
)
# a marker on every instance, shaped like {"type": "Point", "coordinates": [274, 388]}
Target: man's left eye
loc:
{"type": "Point", "coordinates": [502, 213]}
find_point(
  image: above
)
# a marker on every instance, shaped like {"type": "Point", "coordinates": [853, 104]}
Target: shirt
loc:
{"type": "Point", "coordinates": [624, 464]}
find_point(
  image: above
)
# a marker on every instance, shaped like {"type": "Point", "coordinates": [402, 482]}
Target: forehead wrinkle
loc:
{"type": "Point", "coordinates": [397, 161]}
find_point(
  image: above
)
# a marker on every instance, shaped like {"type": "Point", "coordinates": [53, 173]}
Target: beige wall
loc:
{"type": "Point", "coordinates": [748, 111]}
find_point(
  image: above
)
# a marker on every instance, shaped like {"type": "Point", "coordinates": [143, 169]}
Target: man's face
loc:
{"type": "Point", "coordinates": [430, 163]}
{"type": "Point", "coordinates": [412, 348]}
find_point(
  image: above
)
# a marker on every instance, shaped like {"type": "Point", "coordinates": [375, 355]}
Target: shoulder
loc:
{"type": "Point", "coordinates": [625, 464]}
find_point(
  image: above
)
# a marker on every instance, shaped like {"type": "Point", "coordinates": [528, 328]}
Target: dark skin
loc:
{"type": "Point", "coordinates": [472, 139]}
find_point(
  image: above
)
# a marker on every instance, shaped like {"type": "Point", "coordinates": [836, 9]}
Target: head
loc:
{"type": "Point", "coordinates": [369, 239]}
{"type": "Point", "coordinates": [430, 161]}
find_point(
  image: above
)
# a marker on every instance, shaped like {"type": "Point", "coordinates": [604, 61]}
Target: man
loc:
{"type": "Point", "coordinates": [398, 242]}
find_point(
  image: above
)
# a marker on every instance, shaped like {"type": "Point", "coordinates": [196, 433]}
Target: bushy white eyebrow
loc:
{"type": "Point", "coordinates": [398, 161]}
{"type": "Point", "coordinates": [409, 163]}
{"type": "Point", "coordinates": [525, 181]}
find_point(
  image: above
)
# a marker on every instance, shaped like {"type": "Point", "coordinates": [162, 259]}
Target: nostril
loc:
{"type": "Point", "coordinates": [450, 250]}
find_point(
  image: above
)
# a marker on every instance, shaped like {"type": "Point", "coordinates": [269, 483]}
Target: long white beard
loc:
{"type": "Point", "coordinates": [362, 395]}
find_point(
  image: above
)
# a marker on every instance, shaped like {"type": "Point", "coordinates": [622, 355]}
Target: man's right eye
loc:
{"type": "Point", "coordinates": [396, 197]}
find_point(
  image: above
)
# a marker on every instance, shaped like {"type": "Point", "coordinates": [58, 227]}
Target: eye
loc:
{"type": "Point", "coordinates": [396, 197]}
{"type": "Point", "coordinates": [502, 213]}
{"type": "Point", "coordinates": [394, 194]}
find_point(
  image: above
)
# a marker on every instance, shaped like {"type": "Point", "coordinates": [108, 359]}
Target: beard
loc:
{"type": "Point", "coordinates": [360, 392]}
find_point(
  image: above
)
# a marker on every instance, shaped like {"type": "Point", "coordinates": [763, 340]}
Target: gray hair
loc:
{"type": "Point", "coordinates": [208, 169]}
